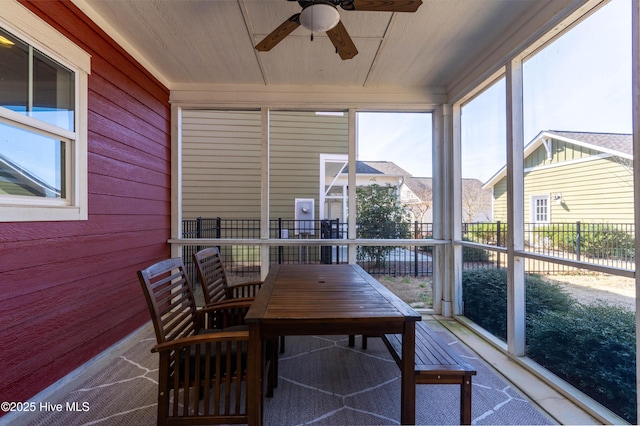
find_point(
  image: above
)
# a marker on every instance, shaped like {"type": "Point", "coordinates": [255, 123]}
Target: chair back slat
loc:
{"type": "Point", "coordinates": [168, 292]}
{"type": "Point", "coordinates": [212, 274]}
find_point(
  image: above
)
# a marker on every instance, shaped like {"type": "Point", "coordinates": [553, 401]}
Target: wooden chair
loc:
{"type": "Point", "coordinates": [215, 285]}
{"type": "Point", "coordinates": [213, 278]}
{"type": "Point", "coordinates": [202, 372]}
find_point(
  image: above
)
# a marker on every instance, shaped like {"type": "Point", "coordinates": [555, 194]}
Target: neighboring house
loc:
{"type": "Point", "coordinates": [571, 176]}
{"type": "Point", "coordinates": [416, 193]}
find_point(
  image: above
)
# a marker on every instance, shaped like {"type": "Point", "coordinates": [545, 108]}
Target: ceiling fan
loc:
{"type": "Point", "coordinates": [323, 16]}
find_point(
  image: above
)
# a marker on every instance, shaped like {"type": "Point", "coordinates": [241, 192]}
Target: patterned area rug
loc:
{"type": "Point", "coordinates": [322, 382]}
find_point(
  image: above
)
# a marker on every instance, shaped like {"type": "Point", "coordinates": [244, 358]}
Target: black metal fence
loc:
{"type": "Point", "coordinates": [604, 244]}
{"type": "Point", "coordinates": [607, 244]}
{"type": "Point", "coordinates": [242, 260]}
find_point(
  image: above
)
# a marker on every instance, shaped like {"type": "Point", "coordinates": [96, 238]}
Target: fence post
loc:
{"type": "Point", "coordinates": [218, 230]}
{"type": "Point", "coordinates": [498, 236]}
{"type": "Point", "coordinates": [198, 230]}
{"type": "Point", "coordinates": [578, 237]}
{"type": "Point", "coordinates": [336, 236]}
{"type": "Point", "coordinates": [280, 248]}
{"type": "Point", "coordinates": [415, 250]}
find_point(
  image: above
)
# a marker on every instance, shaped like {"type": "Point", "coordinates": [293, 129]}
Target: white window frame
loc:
{"type": "Point", "coordinates": [534, 213]}
{"type": "Point", "coordinates": [22, 23]}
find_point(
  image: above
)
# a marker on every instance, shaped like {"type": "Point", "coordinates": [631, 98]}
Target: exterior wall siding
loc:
{"type": "Point", "coordinates": [597, 190]}
{"type": "Point", "coordinates": [296, 141]}
{"type": "Point", "coordinates": [69, 290]}
{"type": "Point", "coordinates": [221, 164]}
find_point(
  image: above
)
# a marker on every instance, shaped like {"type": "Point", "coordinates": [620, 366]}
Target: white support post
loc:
{"type": "Point", "coordinates": [264, 193]}
{"type": "Point", "coordinates": [351, 220]}
{"type": "Point", "coordinates": [456, 207]}
{"type": "Point", "coordinates": [441, 281]}
{"type": "Point", "coordinates": [635, 54]}
{"type": "Point", "coordinates": [516, 306]}
{"type": "Point", "coordinates": [176, 178]}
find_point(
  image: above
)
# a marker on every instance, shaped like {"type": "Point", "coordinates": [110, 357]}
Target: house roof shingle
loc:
{"type": "Point", "coordinates": [620, 142]}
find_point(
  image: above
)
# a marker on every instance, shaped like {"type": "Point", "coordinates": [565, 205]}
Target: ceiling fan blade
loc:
{"type": "Point", "coordinates": [277, 35]}
{"type": "Point", "coordinates": [342, 41]}
{"type": "Point", "coordinates": [382, 5]}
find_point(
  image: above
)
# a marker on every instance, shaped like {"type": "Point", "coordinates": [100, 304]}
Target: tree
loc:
{"type": "Point", "coordinates": [476, 202]}
{"type": "Point", "coordinates": [420, 204]}
{"type": "Point", "coordinates": [380, 215]}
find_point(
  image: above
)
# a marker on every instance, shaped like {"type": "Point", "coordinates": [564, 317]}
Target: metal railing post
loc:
{"type": "Point", "coordinates": [578, 238]}
{"type": "Point", "coordinates": [280, 248]}
{"type": "Point", "coordinates": [498, 237]}
{"type": "Point", "coordinates": [415, 250]}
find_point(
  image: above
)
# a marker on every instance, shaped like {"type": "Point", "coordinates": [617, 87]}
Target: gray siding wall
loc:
{"type": "Point", "coordinates": [221, 164]}
{"type": "Point", "coordinates": [297, 138]}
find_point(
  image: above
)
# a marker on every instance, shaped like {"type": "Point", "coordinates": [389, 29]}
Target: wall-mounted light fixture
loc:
{"type": "Point", "coordinates": [558, 198]}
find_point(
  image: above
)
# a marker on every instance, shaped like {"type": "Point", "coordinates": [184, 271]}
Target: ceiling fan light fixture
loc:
{"type": "Point", "coordinates": [319, 17]}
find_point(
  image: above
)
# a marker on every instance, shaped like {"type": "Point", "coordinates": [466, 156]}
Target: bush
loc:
{"type": "Point", "coordinates": [472, 254]}
{"type": "Point", "coordinates": [593, 348]}
{"type": "Point", "coordinates": [597, 240]}
{"type": "Point", "coordinates": [484, 293]}
{"type": "Point", "coordinates": [486, 233]}
{"type": "Point", "coordinates": [605, 241]}
{"type": "Point", "coordinates": [485, 298]}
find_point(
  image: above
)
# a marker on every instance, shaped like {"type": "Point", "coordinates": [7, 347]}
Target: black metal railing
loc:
{"type": "Point", "coordinates": [598, 243]}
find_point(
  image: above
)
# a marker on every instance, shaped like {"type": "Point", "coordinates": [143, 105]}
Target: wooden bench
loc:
{"type": "Point", "coordinates": [436, 364]}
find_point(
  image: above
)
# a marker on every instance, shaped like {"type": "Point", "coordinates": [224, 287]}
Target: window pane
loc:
{"type": "Point", "coordinates": [14, 73]}
{"type": "Point", "coordinates": [52, 88]}
{"type": "Point", "coordinates": [483, 164]}
{"type": "Point", "coordinates": [53, 92]}
{"type": "Point", "coordinates": [581, 326]}
{"type": "Point", "coordinates": [31, 164]}
{"type": "Point", "coordinates": [578, 172]}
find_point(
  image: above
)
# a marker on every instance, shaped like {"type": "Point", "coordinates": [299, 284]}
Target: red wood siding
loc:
{"type": "Point", "coordinates": [68, 290]}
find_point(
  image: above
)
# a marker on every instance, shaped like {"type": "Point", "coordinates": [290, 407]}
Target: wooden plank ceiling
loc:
{"type": "Point", "coordinates": [212, 41]}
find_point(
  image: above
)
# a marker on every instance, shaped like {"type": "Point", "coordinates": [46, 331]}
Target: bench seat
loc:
{"type": "Point", "coordinates": [436, 363]}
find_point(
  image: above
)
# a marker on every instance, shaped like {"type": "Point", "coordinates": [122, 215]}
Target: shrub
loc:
{"type": "Point", "coordinates": [484, 293]}
{"type": "Point", "coordinates": [597, 240]}
{"type": "Point", "coordinates": [590, 346]}
{"type": "Point", "coordinates": [472, 254]}
{"type": "Point", "coordinates": [593, 348]}
{"type": "Point", "coordinates": [606, 241]}
{"type": "Point", "coordinates": [486, 233]}
{"type": "Point", "coordinates": [485, 298]}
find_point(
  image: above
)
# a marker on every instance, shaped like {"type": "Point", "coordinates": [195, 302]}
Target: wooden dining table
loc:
{"type": "Point", "coordinates": [303, 299]}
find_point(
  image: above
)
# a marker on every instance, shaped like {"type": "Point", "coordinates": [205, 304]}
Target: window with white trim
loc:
{"type": "Point", "coordinates": [43, 104]}
{"type": "Point", "coordinates": [540, 209]}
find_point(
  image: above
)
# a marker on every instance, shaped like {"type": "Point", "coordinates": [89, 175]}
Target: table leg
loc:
{"type": "Point", "coordinates": [254, 381]}
{"type": "Point", "coordinates": [408, 391]}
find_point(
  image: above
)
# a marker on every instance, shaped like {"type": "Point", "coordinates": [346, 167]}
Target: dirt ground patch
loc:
{"type": "Point", "coordinates": [593, 288]}
{"type": "Point", "coordinates": [415, 291]}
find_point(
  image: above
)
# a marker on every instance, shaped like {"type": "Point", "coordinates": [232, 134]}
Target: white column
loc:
{"type": "Point", "coordinates": [176, 178]}
{"type": "Point", "coordinates": [636, 170]}
{"type": "Point", "coordinates": [456, 207]}
{"type": "Point", "coordinates": [351, 221]}
{"type": "Point", "coordinates": [264, 192]}
{"type": "Point", "coordinates": [515, 210]}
